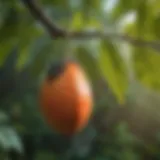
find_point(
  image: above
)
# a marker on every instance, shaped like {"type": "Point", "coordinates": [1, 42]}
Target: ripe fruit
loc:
{"type": "Point", "coordinates": [66, 98]}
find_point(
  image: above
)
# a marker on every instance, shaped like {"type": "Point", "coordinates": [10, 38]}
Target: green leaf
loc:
{"type": "Point", "coordinates": [94, 4]}
{"type": "Point", "coordinates": [90, 6]}
{"type": "Point", "coordinates": [141, 18]}
{"type": "Point", "coordinates": [123, 7]}
{"type": "Point", "coordinates": [26, 38]}
{"type": "Point", "coordinates": [43, 52]}
{"type": "Point", "coordinates": [113, 69]}
{"type": "Point", "coordinates": [10, 25]}
{"type": "Point", "coordinates": [3, 118]}
{"type": "Point", "coordinates": [9, 139]}
{"type": "Point", "coordinates": [144, 20]}
{"type": "Point", "coordinates": [155, 6]}
{"type": "Point", "coordinates": [18, 27]}
{"type": "Point", "coordinates": [146, 66]}
{"type": "Point", "coordinates": [10, 62]}
{"type": "Point", "coordinates": [5, 48]}
{"type": "Point", "coordinates": [8, 74]}
{"type": "Point", "coordinates": [156, 26]}
{"type": "Point", "coordinates": [88, 62]}
{"type": "Point", "coordinates": [39, 52]}
{"type": "Point", "coordinates": [77, 21]}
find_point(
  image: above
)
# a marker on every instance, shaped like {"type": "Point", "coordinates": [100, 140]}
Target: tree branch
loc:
{"type": "Point", "coordinates": [57, 32]}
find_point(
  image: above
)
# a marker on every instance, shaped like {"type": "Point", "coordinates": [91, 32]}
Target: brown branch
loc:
{"type": "Point", "coordinates": [38, 13]}
{"type": "Point", "coordinates": [57, 32]}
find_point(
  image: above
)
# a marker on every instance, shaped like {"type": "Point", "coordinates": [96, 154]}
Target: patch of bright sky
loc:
{"type": "Point", "coordinates": [127, 19]}
{"type": "Point", "coordinates": [109, 5]}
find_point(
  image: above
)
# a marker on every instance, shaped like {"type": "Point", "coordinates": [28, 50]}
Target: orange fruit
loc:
{"type": "Point", "coordinates": [66, 98]}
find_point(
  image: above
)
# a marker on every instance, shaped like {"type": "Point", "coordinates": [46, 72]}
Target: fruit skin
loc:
{"type": "Point", "coordinates": [66, 98]}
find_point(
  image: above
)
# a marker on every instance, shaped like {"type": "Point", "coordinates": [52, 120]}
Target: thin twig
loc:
{"type": "Point", "coordinates": [136, 42]}
{"type": "Point", "coordinates": [57, 32]}
{"type": "Point", "coordinates": [38, 13]}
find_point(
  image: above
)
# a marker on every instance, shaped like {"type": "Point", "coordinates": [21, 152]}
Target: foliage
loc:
{"type": "Point", "coordinates": [26, 51]}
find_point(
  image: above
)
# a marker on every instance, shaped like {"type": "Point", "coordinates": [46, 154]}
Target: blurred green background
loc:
{"type": "Point", "coordinates": [125, 124]}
